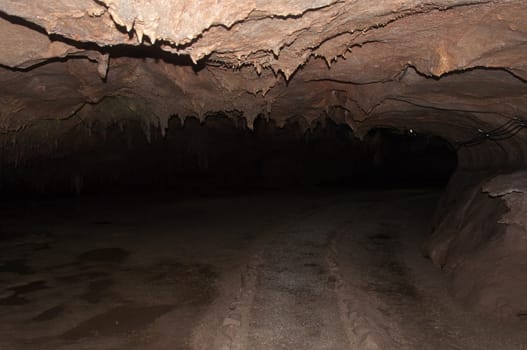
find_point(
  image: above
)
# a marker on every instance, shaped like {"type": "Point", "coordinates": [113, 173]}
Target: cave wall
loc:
{"type": "Point", "coordinates": [480, 240]}
{"type": "Point", "coordinates": [451, 68]}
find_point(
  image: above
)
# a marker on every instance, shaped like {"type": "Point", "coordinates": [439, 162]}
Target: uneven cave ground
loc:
{"type": "Point", "coordinates": [245, 239]}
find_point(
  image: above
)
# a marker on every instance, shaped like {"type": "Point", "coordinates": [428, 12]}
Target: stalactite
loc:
{"type": "Point", "coordinates": [147, 130]}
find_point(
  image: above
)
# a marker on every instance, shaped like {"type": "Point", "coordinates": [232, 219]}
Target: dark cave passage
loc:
{"type": "Point", "coordinates": [219, 155]}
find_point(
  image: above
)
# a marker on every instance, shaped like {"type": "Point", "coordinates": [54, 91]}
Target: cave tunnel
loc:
{"type": "Point", "coordinates": [263, 175]}
{"type": "Point", "coordinates": [220, 156]}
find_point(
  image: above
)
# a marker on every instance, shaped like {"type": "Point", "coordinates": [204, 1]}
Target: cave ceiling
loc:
{"type": "Point", "coordinates": [449, 67]}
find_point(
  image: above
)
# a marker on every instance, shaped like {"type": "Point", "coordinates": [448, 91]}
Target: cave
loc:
{"type": "Point", "coordinates": [313, 174]}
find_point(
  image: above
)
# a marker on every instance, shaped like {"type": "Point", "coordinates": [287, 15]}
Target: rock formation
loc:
{"type": "Point", "coordinates": [451, 68]}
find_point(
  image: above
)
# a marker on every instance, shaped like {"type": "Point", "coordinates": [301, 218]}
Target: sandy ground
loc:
{"type": "Point", "coordinates": [314, 270]}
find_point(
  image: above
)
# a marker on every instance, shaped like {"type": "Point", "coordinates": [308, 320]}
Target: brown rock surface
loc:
{"type": "Point", "coordinates": [453, 68]}
{"type": "Point", "coordinates": [481, 242]}
{"type": "Point", "coordinates": [359, 63]}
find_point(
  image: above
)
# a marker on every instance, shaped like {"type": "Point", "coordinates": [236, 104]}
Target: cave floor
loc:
{"type": "Point", "coordinates": [315, 270]}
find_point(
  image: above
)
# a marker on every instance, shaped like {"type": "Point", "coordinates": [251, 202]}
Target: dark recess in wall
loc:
{"type": "Point", "coordinates": [222, 154]}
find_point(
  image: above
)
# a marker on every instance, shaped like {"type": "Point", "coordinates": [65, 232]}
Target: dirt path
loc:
{"type": "Point", "coordinates": [350, 275]}
{"type": "Point", "coordinates": [277, 271]}
{"type": "Point", "coordinates": [295, 305]}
